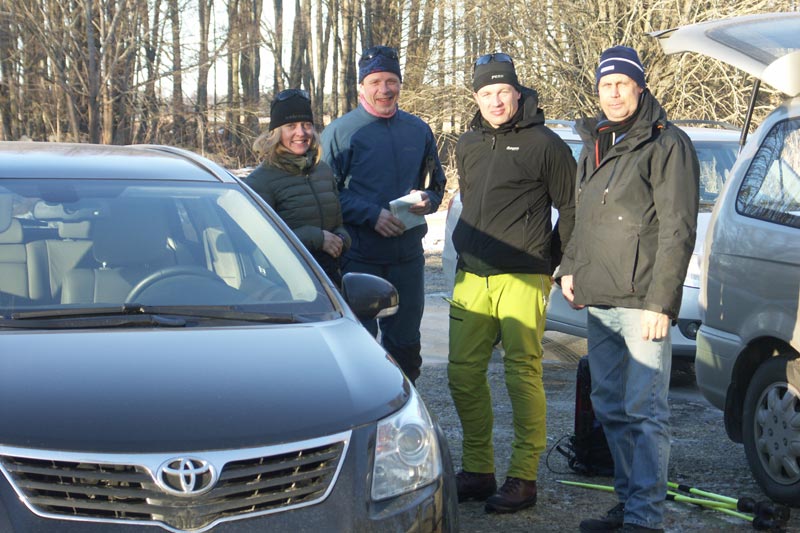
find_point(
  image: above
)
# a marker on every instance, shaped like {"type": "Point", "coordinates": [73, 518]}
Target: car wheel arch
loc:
{"type": "Point", "coordinates": [752, 356]}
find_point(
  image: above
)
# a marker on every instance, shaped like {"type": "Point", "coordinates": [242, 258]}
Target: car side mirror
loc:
{"type": "Point", "coordinates": [369, 296]}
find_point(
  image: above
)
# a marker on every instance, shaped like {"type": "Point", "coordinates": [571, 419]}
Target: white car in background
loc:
{"type": "Point", "coordinates": [716, 145]}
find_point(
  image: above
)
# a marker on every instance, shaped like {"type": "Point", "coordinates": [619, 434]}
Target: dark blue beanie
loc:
{"type": "Point", "coordinates": [378, 63]}
{"type": "Point", "coordinates": [621, 60]}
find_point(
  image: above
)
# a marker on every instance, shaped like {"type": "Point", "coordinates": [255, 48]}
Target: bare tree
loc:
{"type": "Point", "coordinates": [113, 71]}
{"type": "Point", "coordinates": [204, 12]}
{"type": "Point", "coordinates": [178, 112]}
{"type": "Point", "coordinates": [349, 77]}
{"type": "Point", "coordinates": [250, 61]}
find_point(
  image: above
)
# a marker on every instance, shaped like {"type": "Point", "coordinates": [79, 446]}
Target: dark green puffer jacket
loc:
{"type": "Point", "coordinates": [307, 201]}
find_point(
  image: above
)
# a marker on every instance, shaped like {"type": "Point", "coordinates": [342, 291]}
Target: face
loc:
{"type": "Point", "coordinates": [296, 137]}
{"type": "Point", "coordinates": [619, 96]}
{"type": "Point", "coordinates": [497, 103]}
{"type": "Point", "coordinates": [381, 90]}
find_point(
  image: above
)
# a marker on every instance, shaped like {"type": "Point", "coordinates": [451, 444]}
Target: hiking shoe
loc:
{"type": "Point", "coordinates": [634, 528]}
{"type": "Point", "coordinates": [611, 522]}
{"type": "Point", "coordinates": [515, 494]}
{"type": "Point", "coordinates": [474, 486]}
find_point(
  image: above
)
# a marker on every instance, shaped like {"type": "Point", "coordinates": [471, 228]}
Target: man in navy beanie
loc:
{"type": "Point", "coordinates": [380, 153]}
{"type": "Point", "coordinates": [637, 200]}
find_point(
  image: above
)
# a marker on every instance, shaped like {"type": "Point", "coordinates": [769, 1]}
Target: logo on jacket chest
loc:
{"type": "Point", "coordinates": [512, 148]}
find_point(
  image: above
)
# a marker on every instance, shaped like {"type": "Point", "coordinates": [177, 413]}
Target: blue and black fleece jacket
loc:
{"type": "Point", "coordinates": [376, 160]}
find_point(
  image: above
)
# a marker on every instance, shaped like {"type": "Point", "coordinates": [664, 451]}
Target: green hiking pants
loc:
{"type": "Point", "coordinates": [514, 305]}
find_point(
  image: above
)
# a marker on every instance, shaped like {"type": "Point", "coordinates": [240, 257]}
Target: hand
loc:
{"type": "Point", "coordinates": [423, 207]}
{"type": "Point", "coordinates": [568, 290]}
{"type": "Point", "coordinates": [389, 225]}
{"type": "Point", "coordinates": [331, 244]}
{"type": "Point", "coordinates": [654, 325]}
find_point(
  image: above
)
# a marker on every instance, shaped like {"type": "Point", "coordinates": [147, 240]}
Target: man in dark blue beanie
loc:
{"type": "Point", "coordinates": [634, 234]}
{"type": "Point", "coordinates": [621, 60]}
{"type": "Point", "coordinates": [380, 153]}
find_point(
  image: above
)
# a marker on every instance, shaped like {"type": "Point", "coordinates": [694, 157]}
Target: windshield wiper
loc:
{"type": "Point", "coordinates": [132, 310]}
{"type": "Point", "coordinates": [222, 312]}
{"type": "Point", "coordinates": [91, 321]}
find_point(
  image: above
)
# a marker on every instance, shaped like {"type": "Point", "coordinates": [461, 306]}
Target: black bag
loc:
{"type": "Point", "coordinates": [587, 450]}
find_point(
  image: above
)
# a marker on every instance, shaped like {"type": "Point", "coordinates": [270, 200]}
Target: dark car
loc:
{"type": "Point", "coordinates": [171, 356]}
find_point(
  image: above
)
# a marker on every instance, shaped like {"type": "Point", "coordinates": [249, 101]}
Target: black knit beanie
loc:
{"type": "Point", "coordinates": [293, 108]}
{"type": "Point", "coordinates": [494, 72]}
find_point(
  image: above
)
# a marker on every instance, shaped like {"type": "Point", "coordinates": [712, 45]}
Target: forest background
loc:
{"type": "Point", "coordinates": [142, 71]}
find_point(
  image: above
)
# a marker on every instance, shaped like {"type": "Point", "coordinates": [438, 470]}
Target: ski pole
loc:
{"type": "Point", "coordinates": [701, 492]}
{"type": "Point", "coordinates": [758, 522]}
{"type": "Point", "coordinates": [766, 509]}
{"type": "Point", "coordinates": [670, 496]}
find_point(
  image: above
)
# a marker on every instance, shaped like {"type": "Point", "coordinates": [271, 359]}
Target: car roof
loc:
{"type": "Point", "coordinates": [766, 46]}
{"type": "Point", "coordinates": [564, 128]}
{"type": "Point", "coordinates": [98, 161]}
{"type": "Point", "coordinates": [714, 130]}
{"type": "Point", "coordinates": [697, 134]}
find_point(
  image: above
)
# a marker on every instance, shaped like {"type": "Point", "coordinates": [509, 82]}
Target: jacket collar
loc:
{"type": "Point", "coordinates": [651, 115]}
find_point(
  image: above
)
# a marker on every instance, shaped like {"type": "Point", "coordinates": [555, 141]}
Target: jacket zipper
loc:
{"type": "Point", "coordinates": [635, 262]}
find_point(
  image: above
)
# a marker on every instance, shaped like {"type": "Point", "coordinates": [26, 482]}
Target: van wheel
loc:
{"type": "Point", "coordinates": [771, 429]}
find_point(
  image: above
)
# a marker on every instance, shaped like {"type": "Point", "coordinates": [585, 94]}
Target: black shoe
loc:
{"type": "Point", "coordinates": [474, 486]}
{"type": "Point", "coordinates": [515, 494]}
{"type": "Point", "coordinates": [634, 528]}
{"type": "Point", "coordinates": [611, 522]}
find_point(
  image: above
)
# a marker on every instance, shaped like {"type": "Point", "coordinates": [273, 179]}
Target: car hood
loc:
{"type": "Point", "coordinates": [151, 390]}
{"type": "Point", "coordinates": [765, 46]}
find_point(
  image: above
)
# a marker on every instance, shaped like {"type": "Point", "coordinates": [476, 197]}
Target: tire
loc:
{"type": "Point", "coordinates": [450, 517]}
{"type": "Point", "coordinates": [771, 439]}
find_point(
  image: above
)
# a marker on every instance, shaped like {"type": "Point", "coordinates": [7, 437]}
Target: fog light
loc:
{"type": "Point", "coordinates": [689, 328]}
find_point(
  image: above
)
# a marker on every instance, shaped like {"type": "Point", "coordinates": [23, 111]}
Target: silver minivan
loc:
{"type": "Point", "coordinates": [748, 347]}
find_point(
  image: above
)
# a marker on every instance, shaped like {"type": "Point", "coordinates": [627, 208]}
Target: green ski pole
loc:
{"type": "Point", "coordinates": [766, 509]}
{"type": "Point", "coordinates": [758, 522]}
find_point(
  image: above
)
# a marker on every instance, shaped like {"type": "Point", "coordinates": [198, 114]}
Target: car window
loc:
{"type": "Point", "coordinates": [100, 243]}
{"type": "Point", "coordinates": [716, 160]}
{"type": "Point", "coordinates": [771, 188]}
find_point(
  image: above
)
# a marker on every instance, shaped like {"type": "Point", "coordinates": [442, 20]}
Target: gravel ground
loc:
{"type": "Point", "coordinates": [702, 455]}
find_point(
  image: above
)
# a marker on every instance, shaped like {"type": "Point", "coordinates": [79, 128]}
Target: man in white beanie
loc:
{"type": "Point", "coordinates": [637, 199]}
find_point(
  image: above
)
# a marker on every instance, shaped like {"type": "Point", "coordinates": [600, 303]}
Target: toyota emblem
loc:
{"type": "Point", "coordinates": [186, 476]}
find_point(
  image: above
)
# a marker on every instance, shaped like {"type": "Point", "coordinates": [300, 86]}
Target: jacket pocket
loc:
{"type": "Point", "coordinates": [609, 269]}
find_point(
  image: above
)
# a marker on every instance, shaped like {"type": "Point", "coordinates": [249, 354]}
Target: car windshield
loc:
{"type": "Point", "coordinates": [72, 247]}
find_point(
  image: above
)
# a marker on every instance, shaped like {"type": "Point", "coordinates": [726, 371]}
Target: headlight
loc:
{"type": "Point", "coordinates": [694, 271]}
{"type": "Point", "coordinates": [406, 452]}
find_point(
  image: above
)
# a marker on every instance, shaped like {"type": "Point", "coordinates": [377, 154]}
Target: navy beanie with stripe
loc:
{"type": "Point", "coordinates": [621, 60]}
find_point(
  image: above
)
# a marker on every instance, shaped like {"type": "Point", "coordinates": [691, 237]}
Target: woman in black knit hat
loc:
{"type": "Point", "coordinates": [297, 184]}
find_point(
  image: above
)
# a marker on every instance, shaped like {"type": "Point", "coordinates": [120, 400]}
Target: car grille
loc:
{"type": "Point", "coordinates": [128, 488]}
